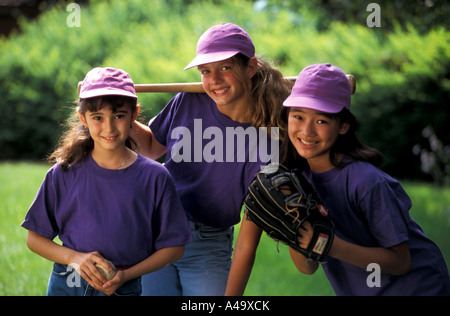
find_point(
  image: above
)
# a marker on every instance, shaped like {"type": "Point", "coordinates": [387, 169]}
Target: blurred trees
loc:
{"type": "Point", "coordinates": [402, 68]}
{"type": "Point", "coordinates": [424, 15]}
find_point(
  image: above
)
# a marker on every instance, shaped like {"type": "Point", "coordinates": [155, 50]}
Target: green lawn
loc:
{"type": "Point", "coordinates": [22, 272]}
{"type": "Point", "coordinates": [25, 273]}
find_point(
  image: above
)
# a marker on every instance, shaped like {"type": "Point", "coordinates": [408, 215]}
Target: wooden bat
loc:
{"type": "Point", "coordinates": [197, 87]}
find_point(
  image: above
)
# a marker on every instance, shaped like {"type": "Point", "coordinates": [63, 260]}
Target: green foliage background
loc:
{"type": "Point", "coordinates": [402, 68]}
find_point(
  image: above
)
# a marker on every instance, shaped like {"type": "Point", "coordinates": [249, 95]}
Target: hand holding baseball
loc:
{"type": "Point", "coordinates": [109, 272]}
{"type": "Point", "coordinates": [87, 265]}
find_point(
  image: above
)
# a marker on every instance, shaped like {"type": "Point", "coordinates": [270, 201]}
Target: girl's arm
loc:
{"type": "Point", "coordinates": [303, 265]}
{"type": "Point", "coordinates": [156, 261]}
{"type": "Point", "coordinates": [83, 263]}
{"type": "Point", "coordinates": [147, 144]}
{"type": "Point", "coordinates": [395, 260]}
{"type": "Point", "coordinates": [243, 258]}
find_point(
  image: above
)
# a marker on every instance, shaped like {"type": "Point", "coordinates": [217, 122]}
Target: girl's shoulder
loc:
{"type": "Point", "coordinates": [349, 171]}
{"type": "Point", "coordinates": [145, 164]}
{"type": "Point", "coordinates": [57, 177]}
{"type": "Point", "coordinates": [180, 111]}
{"type": "Point", "coordinates": [364, 171]}
{"type": "Point", "coordinates": [365, 178]}
{"type": "Point", "coordinates": [190, 101]}
{"type": "Point", "coordinates": [57, 171]}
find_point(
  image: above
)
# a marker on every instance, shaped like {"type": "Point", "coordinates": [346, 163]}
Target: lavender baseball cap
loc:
{"type": "Point", "coordinates": [107, 81]}
{"type": "Point", "coordinates": [321, 87]}
{"type": "Point", "coordinates": [221, 42]}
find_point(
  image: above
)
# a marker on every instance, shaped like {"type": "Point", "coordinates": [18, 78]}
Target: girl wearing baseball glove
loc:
{"type": "Point", "coordinates": [369, 209]}
{"type": "Point", "coordinates": [105, 202]}
{"type": "Point", "coordinates": [199, 134]}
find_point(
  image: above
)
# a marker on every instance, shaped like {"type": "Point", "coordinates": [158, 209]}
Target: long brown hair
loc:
{"type": "Point", "coordinates": [76, 143]}
{"type": "Point", "coordinates": [268, 91]}
{"type": "Point", "coordinates": [347, 144]}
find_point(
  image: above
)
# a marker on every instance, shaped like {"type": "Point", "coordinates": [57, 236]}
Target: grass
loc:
{"type": "Point", "coordinates": [25, 273]}
{"type": "Point", "coordinates": [22, 272]}
{"type": "Point", "coordinates": [274, 274]}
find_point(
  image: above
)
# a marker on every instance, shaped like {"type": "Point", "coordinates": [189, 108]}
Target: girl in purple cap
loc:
{"type": "Point", "coordinates": [105, 202]}
{"type": "Point", "coordinates": [378, 248]}
{"type": "Point", "coordinates": [200, 134]}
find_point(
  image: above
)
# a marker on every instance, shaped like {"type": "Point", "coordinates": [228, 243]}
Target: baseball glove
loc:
{"type": "Point", "coordinates": [281, 216]}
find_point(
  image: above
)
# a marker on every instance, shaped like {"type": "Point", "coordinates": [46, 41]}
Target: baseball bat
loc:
{"type": "Point", "coordinates": [197, 87]}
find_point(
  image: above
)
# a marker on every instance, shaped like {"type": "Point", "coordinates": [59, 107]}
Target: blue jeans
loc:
{"type": "Point", "coordinates": [65, 281]}
{"type": "Point", "coordinates": [203, 269]}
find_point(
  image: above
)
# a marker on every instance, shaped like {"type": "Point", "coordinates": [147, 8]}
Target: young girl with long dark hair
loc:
{"type": "Point", "coordinates": [105, 202]}
{"type": "Point", "coordinates": [370, 209]}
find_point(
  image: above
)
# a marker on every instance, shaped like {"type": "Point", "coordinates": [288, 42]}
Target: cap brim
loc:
{"type": "Point", "coordinates": [202, 59]}
{"type": "Point", "coordinates": [103, 92]}
{"type": "Point", "coordinates": [320, 105]}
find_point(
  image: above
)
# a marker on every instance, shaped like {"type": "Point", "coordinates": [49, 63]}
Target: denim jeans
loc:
{"type": "Point", "coordinates": [64, 281]}
{"type": "Point", "coordinates": [203, 269]}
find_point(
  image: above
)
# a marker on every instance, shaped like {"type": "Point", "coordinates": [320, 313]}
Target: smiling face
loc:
{"type": "Point", "coordinates": [222, 84]}
{"type": "Point", "coordinates": [313, 135]}
{"type": "Point", "coordinates": [109, 126]}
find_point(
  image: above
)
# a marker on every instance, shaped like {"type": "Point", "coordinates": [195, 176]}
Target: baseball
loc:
{"type": "Point", "coordinates": [108, 275]}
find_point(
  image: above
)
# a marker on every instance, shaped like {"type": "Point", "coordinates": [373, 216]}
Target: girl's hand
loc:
{"type": "Point", "coordinates": [307, 266]}
{"type": "Point", "coordinates": [305, 233]}
{"type": "Point", "coordinates": [91, 274]}
{"type": "Point", "coordinates": [84, 264]}
{"type": "Point", "coordinates": [112, 285]}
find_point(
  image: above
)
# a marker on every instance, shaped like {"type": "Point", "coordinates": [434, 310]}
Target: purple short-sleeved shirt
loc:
{"type": "Point", "coordinates": [125, 215]}
{"type": "Point", "coordinates": [212, 158]}
{"type": "Point", "coordinates": [371, 209]}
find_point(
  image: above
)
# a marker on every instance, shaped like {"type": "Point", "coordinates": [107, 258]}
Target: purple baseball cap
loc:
{"type": "Point", "coordinates": [107, 81]}
{"type": "Point", "coordinates": [321, 87]}
{"type": "Point", "coordinates": [221, 42]}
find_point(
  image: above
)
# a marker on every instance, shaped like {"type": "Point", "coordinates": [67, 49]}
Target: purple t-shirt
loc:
{"type": "Point", "coordinates": [212, 158]}
{"type": "Point", "coordinates": [125, 215]}
{"type": "Point", "coordinates": [371, 209]}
